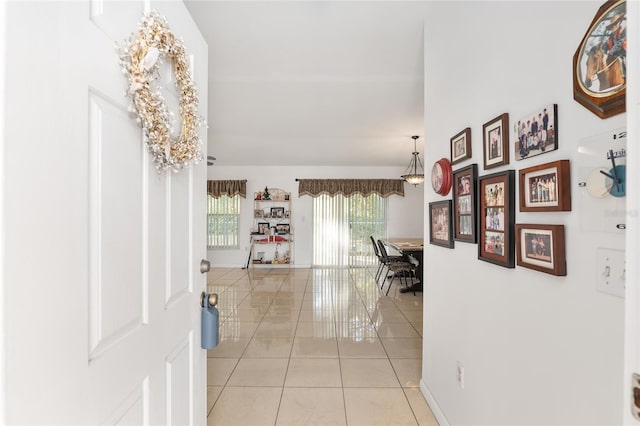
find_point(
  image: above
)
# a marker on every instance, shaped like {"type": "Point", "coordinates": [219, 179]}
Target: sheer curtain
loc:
{"type": "Point", "coordinates": [342, 226]}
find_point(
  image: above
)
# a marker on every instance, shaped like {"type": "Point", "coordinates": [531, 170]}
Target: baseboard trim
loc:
{"type": "Point", "coordinates": [431, 401]}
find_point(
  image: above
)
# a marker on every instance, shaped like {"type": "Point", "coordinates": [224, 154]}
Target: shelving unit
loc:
{"type": "Point", "coordinates": [272, 235]}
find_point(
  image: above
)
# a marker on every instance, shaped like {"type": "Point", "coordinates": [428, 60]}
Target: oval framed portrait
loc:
{"type": "Point", "coordinates": [600, 62]}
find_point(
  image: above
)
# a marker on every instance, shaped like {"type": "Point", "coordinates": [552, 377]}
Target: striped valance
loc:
{"type": "Point", "coordinates": [348, 187]}
{"type": "Point", "coordinates": [216, 188]}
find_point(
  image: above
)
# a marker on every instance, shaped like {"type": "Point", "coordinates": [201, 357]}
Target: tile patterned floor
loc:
{"type": "Point", "coordinates": [314, 346]}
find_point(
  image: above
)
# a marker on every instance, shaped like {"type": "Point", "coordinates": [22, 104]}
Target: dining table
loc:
{"type": "Point", "coordinates": [410, 246]}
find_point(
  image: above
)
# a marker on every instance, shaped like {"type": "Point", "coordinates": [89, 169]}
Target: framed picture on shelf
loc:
{"type": "Point", "coordinates": [599, 64]}
{"type": "Point", "coordinates": [277, 212]}
{"type": "Point", "coordinates": [283, 228]}
{"type": "Point", "coordinates": [461, 146]}
{"type": "Point", "coordinates": [497, 218]}
{"type": "Point", "coordinates": [541, 248]}
{"type": "Point", "coordinates": [258, 213]}
{"type": "Point", "coordinates": [464, 203]}
{"type": "Point", "coordinates": [441, 226]}
{"type": "Point", "coordinates": [495, 146]}
{"type": "Point", "coordinates": [536, 133]}
{"type": "Point", "coordinates": [263, 228]}
{"type": "Point", "coordinates": [545, 187]}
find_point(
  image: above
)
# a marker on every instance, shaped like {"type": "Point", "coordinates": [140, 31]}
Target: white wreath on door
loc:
{"type": "Point", "coordinates": [140, 59]}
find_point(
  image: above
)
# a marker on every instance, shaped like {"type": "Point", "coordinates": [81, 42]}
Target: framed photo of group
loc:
{"type": "Point", "coordinates": [497, 218]}
{"type": "Point", "coordinates": [536, 133]}
{"type": "Point", "coordinates": [545, 187]}
{"type": "Point", "coordinates": [464, 203]}
{"type": "Point", "coordinates": [440, 224]}
{"type": "Point", "coordinates": [541, 247]}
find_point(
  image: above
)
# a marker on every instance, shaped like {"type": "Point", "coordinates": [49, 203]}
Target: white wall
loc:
{"type": "Point", "coordinates": [536, 349]}
{"type": "Point", "coordinates": [405, 213]}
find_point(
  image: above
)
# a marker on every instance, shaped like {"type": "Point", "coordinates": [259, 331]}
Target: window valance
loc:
{"type": "Point", "coordinates": [216, 188]}
{"type": "Point", "coordinates": [348, 187]}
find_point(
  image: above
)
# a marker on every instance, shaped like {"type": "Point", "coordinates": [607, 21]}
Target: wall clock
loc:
{"type": "Point", "coordinates": [600, 62]}
{"type": "Point", "coordinates": [602, 181]}
{"type": "Point", "coordinates": [441, 178]}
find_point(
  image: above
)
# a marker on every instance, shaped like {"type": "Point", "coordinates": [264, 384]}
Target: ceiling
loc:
{"type": "Point", "coordinates": [313, 82]}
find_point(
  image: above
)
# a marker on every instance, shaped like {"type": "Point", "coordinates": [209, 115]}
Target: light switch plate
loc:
{"type": "Point", "coordinates": [610, 271]}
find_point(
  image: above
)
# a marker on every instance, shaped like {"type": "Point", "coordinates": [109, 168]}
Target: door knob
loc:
{"type": "Point", "coordinates": [205, 266]}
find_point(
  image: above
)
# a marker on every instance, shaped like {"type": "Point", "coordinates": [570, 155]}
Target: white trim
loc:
{"type": "Point", "coordinates": [3, 330]}
{"type": "Point", "coordinates": [433, 405]}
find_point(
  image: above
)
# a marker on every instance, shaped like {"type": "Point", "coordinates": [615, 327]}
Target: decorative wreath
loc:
{"type": "Point", "coordinates": [140, 59]}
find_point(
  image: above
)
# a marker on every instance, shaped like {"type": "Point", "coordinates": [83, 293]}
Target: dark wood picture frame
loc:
{"type": "Point", "coordinates": [495, 141]}
{"type": "Point", "coordinates": [536, 133]}
{"type": "Point", "coordinates": [277, 212]}
{"type": "Point", "coordinates": [465, 220]}
{"type": "Point", "coordinates": [461, 146]}
{"type": "Point", "coordinates": [546, 187]}
{"type": "Point", "coordinates": [496, 218]}
{"type": "Point", "coordinates": [599, 85]}
{"type": "Point", "coordinates": [441, 224]}
{"type": "Point", "coordinates": [541, 248]}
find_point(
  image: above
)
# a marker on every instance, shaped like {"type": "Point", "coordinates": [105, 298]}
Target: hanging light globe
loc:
{"type": "Point", "coordinates": [415, 171]}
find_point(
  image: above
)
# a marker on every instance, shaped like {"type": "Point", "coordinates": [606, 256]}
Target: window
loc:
{"type": "Point", "coordinates": [342, 226]}
{"type": "Point", "coordinates": [223, 219]}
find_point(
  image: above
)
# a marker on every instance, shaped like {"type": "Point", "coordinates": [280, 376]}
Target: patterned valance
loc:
{"type": "Point", "coordinates": [216, 188]}
{"type": "Point", "coordinates": [348, 187]}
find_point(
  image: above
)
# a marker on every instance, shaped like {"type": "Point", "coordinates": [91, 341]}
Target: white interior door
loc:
{"type": "Point", "coordinates": [102, 253]}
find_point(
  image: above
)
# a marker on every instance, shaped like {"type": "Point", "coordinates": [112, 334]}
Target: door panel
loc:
{"type": "Point", "coordinates": [102, 294]}
{"type": "Point", "coordinates": [116, 248]}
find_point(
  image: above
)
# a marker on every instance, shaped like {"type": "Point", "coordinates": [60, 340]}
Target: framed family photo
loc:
{"type": "Point", "coordinates": [495, 142]}
{"type": "Point", "coordinates": [258, 213]}
{"type": "Point", "coordinates": [464, 203]}
{"type": "Point", "coordinates": [600, 62]}
{"type": "Point", "coordinates": [496, 218]}
{"type": "Point", "coordinates": [440, 224]}
{"type": "Point", "coordinates": [461, 146]}
{"type": "Point", "coordinates": [536, 133]}
{"type": "Point", "coordinates": [545, 187]}
{"type": "Point", "coordinates": [541, 248]}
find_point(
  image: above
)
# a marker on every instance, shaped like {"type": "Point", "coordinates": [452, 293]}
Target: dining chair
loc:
{"type": "Point", "coordinates": [399, 268]}
{"type": "Point", "coordinates": [381, 261]}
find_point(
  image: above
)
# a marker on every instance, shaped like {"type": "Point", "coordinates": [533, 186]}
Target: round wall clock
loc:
{"type": "Point", "coordinates": [602, 181]}
{"type": "Point", "coordinates": [441, 176]}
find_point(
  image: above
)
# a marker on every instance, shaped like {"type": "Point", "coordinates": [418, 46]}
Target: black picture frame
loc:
{"type": "Point", "coordinates": [465, 220]}
{"type": "Point", "coordinates": [277, 212]}
{"type": "Point", "coordinates": [263, 228]}
{"type": "Point", "coordinates": [441, 224]}
{"type": "Point", "coordinates": [496, 218]}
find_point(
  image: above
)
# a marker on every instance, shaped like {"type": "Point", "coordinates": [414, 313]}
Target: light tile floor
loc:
{"type": "Point", "coordinates": [314, 346]}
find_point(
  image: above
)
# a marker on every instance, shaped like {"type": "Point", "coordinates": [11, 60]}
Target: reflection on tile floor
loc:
{"type": "Point", "coordinates": [314, 346]}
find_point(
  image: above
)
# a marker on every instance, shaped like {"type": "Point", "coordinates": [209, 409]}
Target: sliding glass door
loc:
{"type": "Point", "coordinates": [342, 226]}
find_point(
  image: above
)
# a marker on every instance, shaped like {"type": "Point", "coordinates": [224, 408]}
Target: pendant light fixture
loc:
{"type": "Point", "coordinates": [415, 172]}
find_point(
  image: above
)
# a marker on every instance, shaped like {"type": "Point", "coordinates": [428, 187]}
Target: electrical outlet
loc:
{"type": "Point", "coordinates": [460, 374]}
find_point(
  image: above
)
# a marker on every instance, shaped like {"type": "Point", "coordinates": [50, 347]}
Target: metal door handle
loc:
{"type": "Point", "coordinates": [205, 266]}
{"type": "Point", "coordinates": [212, 299]}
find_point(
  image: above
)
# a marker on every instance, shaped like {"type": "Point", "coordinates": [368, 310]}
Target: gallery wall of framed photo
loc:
{"type": "Point", "coordinates": [483, 207]}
